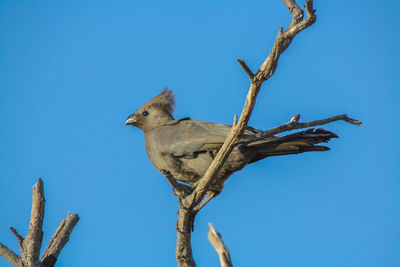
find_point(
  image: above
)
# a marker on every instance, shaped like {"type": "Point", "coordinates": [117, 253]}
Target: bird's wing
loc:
{"type": "Point", "coordinates": [187, 137]}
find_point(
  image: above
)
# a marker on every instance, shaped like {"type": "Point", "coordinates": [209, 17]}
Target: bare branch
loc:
{"type": "Point", "coordinates": [293, 124]}
{"type": "Point", "coordinates": [209, 195]}
{"type": "Point", "coordinates": [47, 258]}
{"type": "Point", "coordinates": [246, 68]}
{"type": "Point", "coordinates": [59, 240]}
{"type": "Point", "coordinates": [284, 38]}
{"type": "Point", "coordinates": [31, 244]}
{"type": "Point", "coordinates": [266, 70]}
{"type": "Point", "coordinates": [192, 203]}
{"type": "Point", "coordinates": [33, 240]}
{"type": "Point", "coordinates": [184, 255]}
{"type": "Point", "coordinates": [19, 238]}
{"type": "Point", "coordinates": [295, 10]}
{"type": "Point", "coordinates": [10, 256]}
{"type": "Point", "coordinates": [216, 241]}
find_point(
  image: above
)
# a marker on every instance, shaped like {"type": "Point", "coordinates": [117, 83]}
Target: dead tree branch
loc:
{"type": "Point", "coordinates": [266, 70]}
{"type": "Point", "coordinates": [10, 256]}
{"type": "Point", "coordinates": [31, 244]}
{"type": "Point", "coordinates": [246, 69]}
{"type": "Point", "coordinates": [33, 240]}
{"type": "Point", "coordinates": [184, 255]}
{"type": "Point", "coordinates": [294, 124]}
{"type": "Point", "coordinates": [216, 241]}
{"type": "Point", "coordinates": [59, 239]}
{"type": "Point", "coordinates": [191, 203]}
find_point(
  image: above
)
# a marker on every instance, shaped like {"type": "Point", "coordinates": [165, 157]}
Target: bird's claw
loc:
{"type": "Point", "coordinates": [179, 189]}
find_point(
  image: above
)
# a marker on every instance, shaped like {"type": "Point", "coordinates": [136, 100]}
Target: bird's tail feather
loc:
{"type": "Point", "coordinates": [296, 143]}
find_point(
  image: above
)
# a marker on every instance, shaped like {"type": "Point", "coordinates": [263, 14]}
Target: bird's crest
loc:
{"type": "Point", "coordinates": [164, 100]}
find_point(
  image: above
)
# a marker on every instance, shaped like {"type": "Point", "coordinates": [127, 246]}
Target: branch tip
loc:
{"type": "Point", "coordinates": [246, 68]}
{"type": "Point", "coordinates": [352, 121]}
{"type": "Point", "coordinates": [216, 241]}
{"type": "Point", "coordinates": [295, 118]}
{"type": "Point", "coordinates": [18, 236]}
{"type": "Point", "coordinates": [235, 118]}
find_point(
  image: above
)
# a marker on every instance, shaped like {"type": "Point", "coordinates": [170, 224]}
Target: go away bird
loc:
{"type": "Point", "coordinates": [185, 148]}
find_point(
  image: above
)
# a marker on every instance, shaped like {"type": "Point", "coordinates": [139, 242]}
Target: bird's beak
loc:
{"type": "Point", "coordinates": [131, 120]}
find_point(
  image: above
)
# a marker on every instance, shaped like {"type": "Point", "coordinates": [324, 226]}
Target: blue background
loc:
{"type": "Point", "coordinates": [72, 71]}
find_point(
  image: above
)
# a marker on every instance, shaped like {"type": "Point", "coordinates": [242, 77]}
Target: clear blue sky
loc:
{"type": "Point", "coordinates": [72, 71]}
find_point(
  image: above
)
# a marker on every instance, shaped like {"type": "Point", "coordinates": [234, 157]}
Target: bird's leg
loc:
{"type": "Point", "coordinates": [181, 190]}
{"type": "Point", "coordinates": [209, 195]}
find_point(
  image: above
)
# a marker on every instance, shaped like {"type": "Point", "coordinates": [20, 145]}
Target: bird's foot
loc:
{"type": "Point", "coordinates": [209, 195]}
{"type": "Point", "coordinates": [179, 189]}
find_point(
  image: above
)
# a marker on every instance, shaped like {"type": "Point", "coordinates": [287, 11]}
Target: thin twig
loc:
{"type": "Point", "coordinates": [235, 118]}
{"type": "Point", "coordinates": [246, 68]}
{"type": "Point", "coordinates": [293, 124]}
{"type": "Point", "coordinates": [18, 236]}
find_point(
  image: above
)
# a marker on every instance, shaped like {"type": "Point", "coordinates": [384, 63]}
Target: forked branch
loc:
{"type": "Point", "coordinates": [193, 202]}
{"type": "Point", "coordinates": [31, 244]}
{"type": "Point", "coordinates": [265, 71]}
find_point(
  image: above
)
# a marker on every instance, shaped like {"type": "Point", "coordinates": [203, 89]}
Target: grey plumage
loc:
{"type": "Point", "coordinates": [185, 148]}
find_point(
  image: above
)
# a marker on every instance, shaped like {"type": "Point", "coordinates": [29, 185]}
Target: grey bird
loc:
{"type": "Point", "coordinates": [185, 148]}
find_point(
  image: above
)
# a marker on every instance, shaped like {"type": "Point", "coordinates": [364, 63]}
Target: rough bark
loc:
{"type": "Point", "coordinates": [31, 244]}
{"type": "Point", "coordinates": [184, 255]}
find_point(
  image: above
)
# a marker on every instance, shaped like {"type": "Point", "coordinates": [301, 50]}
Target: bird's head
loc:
{"type": "Point", "coordinates": [155, 112]}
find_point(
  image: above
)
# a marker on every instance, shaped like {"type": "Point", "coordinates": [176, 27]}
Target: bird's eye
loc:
{"type": "Point", "coordinates": [145, 113]}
